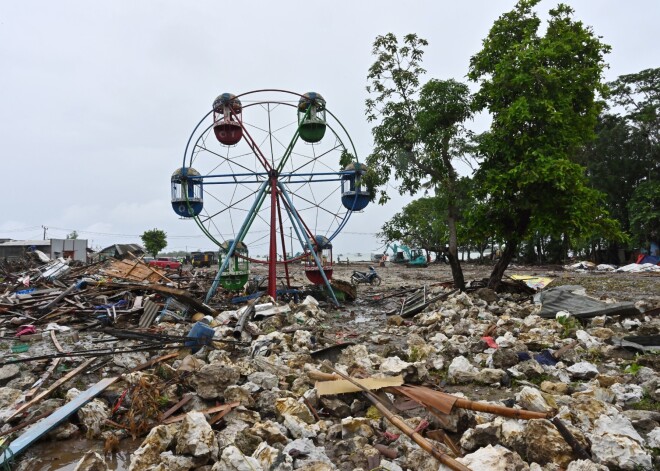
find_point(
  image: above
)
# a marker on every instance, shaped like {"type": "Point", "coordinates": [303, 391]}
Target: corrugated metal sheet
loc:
{"type": "Point", "coordinates": [26, 243]}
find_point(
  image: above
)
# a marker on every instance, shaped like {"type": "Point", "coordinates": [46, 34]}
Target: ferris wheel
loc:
{"type": "Point", "coordinates": [270, 177]}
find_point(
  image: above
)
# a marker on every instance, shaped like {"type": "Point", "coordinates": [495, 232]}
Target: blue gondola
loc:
{"type": "Point", "coordinates": [353, 195]}
{"type": "Point", "coordinates": [187, 193]}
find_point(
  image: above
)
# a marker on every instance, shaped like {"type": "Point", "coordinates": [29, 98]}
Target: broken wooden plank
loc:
{"type": "Point", "coordinates": [413, 434]}
{"type": "Point", "coordinates": [212, 410]}
{"type": "Point", "coordinates": [52, 388]}
{"type": "Point", "coordinates": [55, 342]}
{"type": "Point", "coordinates": [43, 379]}
{"type": "Point", "coordinates": [185, 400]}
{"type": "Point", "coordinates": [444, 403]}
{"type": "Point", "coordinates": [153, 361]}
{"type": "Point", "coordinates": [22, 425]}
{"type": "Point", "coordinates": [217, 417]}
{"type": "Point", "coordinates": [342, 386]}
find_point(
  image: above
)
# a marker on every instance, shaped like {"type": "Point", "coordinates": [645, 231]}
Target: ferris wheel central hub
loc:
{"type": "Point", "coordinates": [273, 174]}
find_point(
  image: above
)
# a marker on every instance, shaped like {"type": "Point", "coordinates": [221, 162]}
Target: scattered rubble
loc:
{"type": "Point", "coordinates": [477, 380]}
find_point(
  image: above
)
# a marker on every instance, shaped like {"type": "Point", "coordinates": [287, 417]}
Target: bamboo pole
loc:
{"type": "Point", "coordinates": [499, 410]}
{"type": "Point", "coordinates": [446, 402]}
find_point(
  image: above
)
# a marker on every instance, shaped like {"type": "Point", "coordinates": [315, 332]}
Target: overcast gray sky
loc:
{"type": "Point", "coordinates": [97, 99]}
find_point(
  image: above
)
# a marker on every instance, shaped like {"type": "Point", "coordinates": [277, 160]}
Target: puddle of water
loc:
{"type": "Point", "coordinates": [64, 455]}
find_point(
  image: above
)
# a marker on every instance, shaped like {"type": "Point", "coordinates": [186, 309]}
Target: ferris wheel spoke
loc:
{"type": "Point", "coordinates": [270, 138]}
{"type": "Point", "coordinates": [262, 218]}
{"type": "Point", "coordinates": [212, 222]}
{"type": "Point", "coordinates": [311, 161]}
{"type": "Point", "coordinates": [331, 192]}
{"type": "Point", "coordinates": [313, 204]}
{"type": "Point", "coordinates": [256, 128]}
{"type": "Point", "coordinates": [228, 207]}
{"type": "Point", "coordinates": [226, 159]}
{"type": "Point", "coordinates": [256, 150]}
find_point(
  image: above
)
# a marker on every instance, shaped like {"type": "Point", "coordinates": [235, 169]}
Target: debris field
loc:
{"type": "Point", "coordinates": [409, 375]}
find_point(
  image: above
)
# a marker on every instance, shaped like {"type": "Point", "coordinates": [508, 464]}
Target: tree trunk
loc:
{"type": "Point", "coordinates": [452, 217]}
{"type": "Point", "coordinates": [456, 270]}
{"type": "Point", "coordinates": [564, 249]}
{"type": "Point", "coordinates": [502, 264]}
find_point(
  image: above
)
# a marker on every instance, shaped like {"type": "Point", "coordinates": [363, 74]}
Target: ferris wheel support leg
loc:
{"type": "Point", "coordinates": [241, 235]}
{"type": "Point", "coordinates": [283, 242]}
{"type": "Point", "coordinates": [272, 256]}
{"type": "Point", "coordinates": [308, 242]}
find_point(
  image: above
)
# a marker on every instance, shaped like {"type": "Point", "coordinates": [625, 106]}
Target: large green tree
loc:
{"type": "Point", "coordinates": [541, 88]}
{"type": "Point", "coordinates": [626, 152]}
{"type": "Point", "coordinates": [639, 96]}
{"type": "Point", "coordinates": [154, 241]}
{"type": "Point", "coordinates": [645, 213]}
{"type": "Point", "coordinates": [418, 131]}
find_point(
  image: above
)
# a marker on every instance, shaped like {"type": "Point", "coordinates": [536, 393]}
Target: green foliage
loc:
{"type": "Point", "coordinates": [647, 403]}
{"type": "Point", "coordinates": [394, 82]}
{"type": "Point", "coordinates": [542, 92]}
{"type": "Point", "coordinates": [626, 152]}
{"type": "Point", "coordinates": [644, 208]}
{"type": "Point", "coordinates": [633, 368]}
{"type": "Point", "coordinates": [154, 241]}
{"type": "Point", "coordinates": [345, 159]}
{"type": "Point", "coordinates": [418, 130]}
{"type": "Point", "coordinates": [72, 235]}
{"type": "Point", "coordinates": [163, 400]}
{"type": "Point", "coordinates": [419, 224]}
{"type": "Point", "coordinates": [569, 324]}
{"type": "Point", "coordinates": [639, 95]}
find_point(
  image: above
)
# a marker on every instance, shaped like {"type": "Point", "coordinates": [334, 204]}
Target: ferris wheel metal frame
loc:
{"type": "Point", "coordinates": [275, 185]}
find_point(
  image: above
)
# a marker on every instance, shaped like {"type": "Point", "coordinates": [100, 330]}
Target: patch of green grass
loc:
{"type": "Point", "coordinates": [594, 355]}
{"type": "Point", "coordinates": [539, 379]}
{"type": "Point", "coordinates": [570, 324]}
{"type": "Point", "coordinates": [439, 375]}
{"type": "Point", "coordinates": [647, 403]}
{"type": "Point", "coordinates": [633, 368]}
{"type": "Point", "coordinates": [164, 373]}
{"type": "Point", "coordinates": [415, 355]}
{"type": "Point", "coordinates": [163, 401]}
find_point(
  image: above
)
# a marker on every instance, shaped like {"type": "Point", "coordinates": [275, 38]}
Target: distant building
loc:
{"type": "Point", "coordinates": [74, 249]}
{"type": "Point", "coordinates": [120, 251]}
